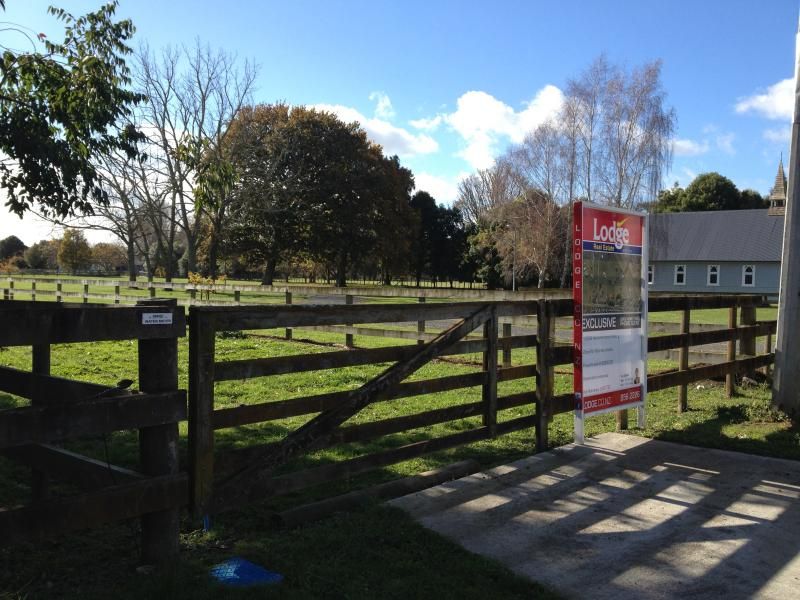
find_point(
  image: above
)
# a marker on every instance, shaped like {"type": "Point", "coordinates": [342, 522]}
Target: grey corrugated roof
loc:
{"type": "Point", "coordinates": [724, 235]}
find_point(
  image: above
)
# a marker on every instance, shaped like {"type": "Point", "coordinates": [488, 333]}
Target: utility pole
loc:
{"type": "Point", "coordinates": [786, 382]}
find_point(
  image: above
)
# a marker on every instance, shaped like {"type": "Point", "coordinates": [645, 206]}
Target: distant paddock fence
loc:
{"type": "Point", "coordinates": [63, 410]}
{"type": "Point", "coordinates": [227, 479]}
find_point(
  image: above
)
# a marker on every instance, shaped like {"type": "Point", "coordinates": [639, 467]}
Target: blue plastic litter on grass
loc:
{"type": "Point", "coordinates": [239, 572]}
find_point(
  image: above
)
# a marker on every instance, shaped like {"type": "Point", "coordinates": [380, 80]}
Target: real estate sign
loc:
{"type": "Point", "coordinates": [609, 287]}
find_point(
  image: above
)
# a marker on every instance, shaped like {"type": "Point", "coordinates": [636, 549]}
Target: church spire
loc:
{"type": "Point", "coordinates": [777, 197]}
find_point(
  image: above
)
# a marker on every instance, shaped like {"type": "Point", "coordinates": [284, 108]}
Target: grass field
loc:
{"type": "Point", "coordinates": [372, 553]}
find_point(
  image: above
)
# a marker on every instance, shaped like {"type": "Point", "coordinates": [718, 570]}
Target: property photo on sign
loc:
{"type": "Point", "coordinates": [610, 298]}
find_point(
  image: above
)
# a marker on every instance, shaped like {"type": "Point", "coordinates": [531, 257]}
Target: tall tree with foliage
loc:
{"type": "Point", "coordinates": [11, 246]}
{"type": "Point", "coordinates": [708, 191]}
{"type": "Point", "coordinates": [61, 106]}
{"type": "Point", "coordinates": [74, 252]}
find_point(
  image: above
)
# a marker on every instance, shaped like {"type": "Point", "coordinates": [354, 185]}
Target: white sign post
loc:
{"type": "Point", "coordinates": [609, 289]}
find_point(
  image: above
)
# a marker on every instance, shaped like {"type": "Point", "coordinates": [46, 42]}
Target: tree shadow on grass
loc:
{"type": "Point", "coordinates": [728, 430]}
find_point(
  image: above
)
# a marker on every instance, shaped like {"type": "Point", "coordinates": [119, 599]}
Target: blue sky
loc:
{"type": "Point", "coordinates": [448, 85]}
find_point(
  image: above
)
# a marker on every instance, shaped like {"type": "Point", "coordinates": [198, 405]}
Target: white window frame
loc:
{"type": "Point", "coordinates": [708, 275]}
{"type": "Point", "coordinates": [682, 269]}
{"type": "Point", "coordinates": [744, 276]}
{"type": "Point", "coordinates": [651, 274]}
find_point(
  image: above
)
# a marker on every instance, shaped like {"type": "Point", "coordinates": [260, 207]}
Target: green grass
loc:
{"type": "Point", "coordinates": [373, 553]}
{"type": "Point", "coordinates": [711, 316]}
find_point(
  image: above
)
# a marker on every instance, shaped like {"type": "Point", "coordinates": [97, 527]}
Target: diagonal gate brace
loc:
{"type": "Point", "coordinates": [237, 488]}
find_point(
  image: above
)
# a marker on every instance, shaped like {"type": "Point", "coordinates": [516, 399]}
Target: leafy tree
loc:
{"type": "Point", "coordinates": [711, 191]}
{"type": "Point", "coordinates": [109, 257]}
{"type": "Point", "coordinates": [62, 107]}
{"type": "Point", "coordinates": [426, 210]}
{"type": "Point", "coordinates": [752, 199]}
{"type": "Point", "coordinates": [264, 221]}
{"type": "Point", "coordinates": [708, 191]}
{"type": "Point", "coordinates": [43, 255]}
{"type": "Point", "coordinates": [74, 252]}
{"type": "Point", "coordinates": [484, 256]}
{"type": "Point", "coordinates": [11, 246]}
{"type": "Point", "coordinates": [395, 219]}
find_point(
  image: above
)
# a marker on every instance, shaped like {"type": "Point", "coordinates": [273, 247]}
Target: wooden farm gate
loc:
{"type": "Point", "coordinates": [63, 410]}
{"type": "Point", "coordinates": [250, 476]}
{"type": "Point", "coordinates": [222, 480]}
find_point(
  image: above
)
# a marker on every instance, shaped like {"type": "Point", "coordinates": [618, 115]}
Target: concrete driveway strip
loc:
{"type": "Point", "coordinates": [628, 517]}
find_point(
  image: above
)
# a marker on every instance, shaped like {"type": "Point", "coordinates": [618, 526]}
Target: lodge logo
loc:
{"type": "Point", "coordinates": [613, 234]}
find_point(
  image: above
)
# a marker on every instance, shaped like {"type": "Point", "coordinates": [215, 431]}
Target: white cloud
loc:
{"type": "Point", "coordinates": [428, 124]}
{"type": "Point", "coordinates": [725, 143]}
{"type": "Point", "coordinates": [443, 189]}
{"type": "Point", "coordinates": [776, 102]}
{"type": "Point", "coordinates": [395, 140]}
{"type": "Point", "coordinates": [383, 108]}
{"type": "Point", "coordinates": [483, 121]}
{"type": "Point", "coordinates": [689, 147]}
{"type": "Point", "coordinates": [781, 135]}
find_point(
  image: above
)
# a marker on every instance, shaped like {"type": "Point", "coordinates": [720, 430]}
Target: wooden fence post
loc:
{"type": "Point", "coordinates": [33, 291]}
{"type": "Point", "coordinates": [151, 288]}
{"type": "Point", "coordinates": [730, 378]}
{"type": "Point", "coordinates": [59, 297]}
{"type": "Point", "coordinates": [85, 293]}
{"type": "Point", "coordinates": [683, 361]}
{"type": "Point", "coordinates": [506, 345]}
{"type": "Point", "coordinates": [40, 362]}
{"type": "Point", "coordinates": [192, 296]}
{"type": "Point", "coordinates": [348, 337]}
{"type": "Point", "coordinates": [116, 294]}
{"type": "Point", "coordinates": [158, 445]}
{"type": "Point", "coordinates": [201, 406]}
{"type": "Point", "coordinates": [421, 324]}
{"type": "Point", "coordinates": [237, 297]}
{"type": "Point", "coordinates": [545, 373]}
{"type": "Point", "coordinates": [288, 303]}
{"type": "Point", "coordinates": [747, 343]}
{"type": "Point", "coordinates": [10, 288]}
{"type": "Point", "coordinates": [5, 294]}
{"type": "Point", "coordinates": [490, 369]}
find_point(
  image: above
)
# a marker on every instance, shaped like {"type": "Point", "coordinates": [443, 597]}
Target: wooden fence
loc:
{"type": "Point", "coordinates": [124, 292]}
{"type": "Point", "coordinates": [62, 410]}
{"type": "Point", "coordinates": [225, 480]}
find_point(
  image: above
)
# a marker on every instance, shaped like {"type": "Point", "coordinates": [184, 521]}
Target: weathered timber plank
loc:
{"type": "Point", "coordinates": [262, 367]}
{"type": "Point", "coordinates": [55, 323]}
{"type": "Point", "coordinates": [269, 317]}
{"type": "Point", "coordinates": [201, 407]}
{"type": "Point", "coordinates": [47, 387]}
{"type": "Point", "coordinates": [559, 355]}
{"type": "Point", "coordinates": [233, 460]}
{"type": "Point", "coordinates": [83, 511]}
{"type": "Point", "coordinates": [268, 411]}
{"type": "Point", "coordinates": [284, 484]}
{"type": "Point", "coordinates": [667, 380]}
{"type": "Point", "coordinates": [63, 465]}
{"type": "Point", "coordinates": [32, 425]}
{"type": "Point", "coordinates": [700, 338]}
{"type": "Point", "coordinates": [316, 432]}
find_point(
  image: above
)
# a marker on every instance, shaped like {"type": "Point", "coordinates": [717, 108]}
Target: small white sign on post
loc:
{"type": "Point", "coordinates": [159, 318]}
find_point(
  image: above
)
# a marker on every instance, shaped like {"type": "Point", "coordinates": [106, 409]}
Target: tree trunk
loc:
{"type": "Point", "coordinates": [269, 271]}
{"type": "Point", "coordinates": [131, 261]}
{"type": "Point", "coordinates": [341, 270]}
{"type": "Point", "coordinates": [191, 256]}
